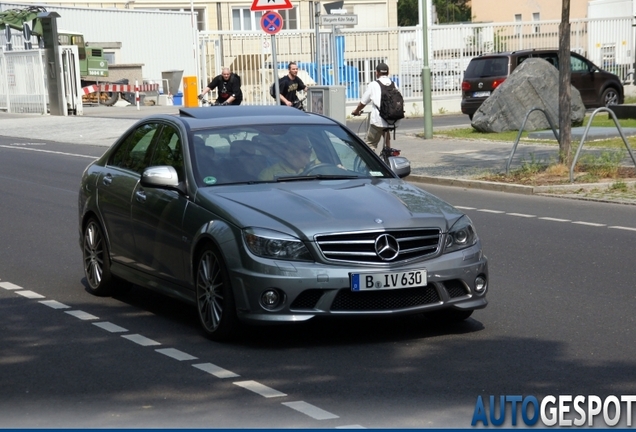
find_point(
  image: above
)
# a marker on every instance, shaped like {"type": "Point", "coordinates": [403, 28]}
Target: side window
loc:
{"type": "Point", "coordinates": [133, 153]}
{"type": "Point", "coordinates": [168, 150]}
{"type": "Point", "coordinates": [551, 58]}
{"type": "Point", "coordinates": [578, 64]}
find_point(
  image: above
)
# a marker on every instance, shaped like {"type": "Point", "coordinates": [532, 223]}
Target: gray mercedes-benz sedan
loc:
{"type": "Point", "coordinates": [267, 214]}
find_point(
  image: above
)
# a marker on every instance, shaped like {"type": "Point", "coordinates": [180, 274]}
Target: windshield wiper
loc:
{"type": "Point", "coordinates": [317, 177]}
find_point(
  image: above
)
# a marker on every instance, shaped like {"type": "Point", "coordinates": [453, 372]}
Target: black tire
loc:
{"type": "Point", "coordinates": [449, 315]}
{"type": "Point", "coordinates": [112, 99]}
{"type": "Point", "coordinates": [97, 260]}
{"type": "Point", "coordinates": [215, 301]}
{"type": "Point", "coordinates": [610, 96]}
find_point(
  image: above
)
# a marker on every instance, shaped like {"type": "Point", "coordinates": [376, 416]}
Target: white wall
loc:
{"type": "Point", "coordinates": [161, 41]}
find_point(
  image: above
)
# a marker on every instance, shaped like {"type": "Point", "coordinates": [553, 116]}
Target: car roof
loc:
{"type": "Point", "coordinates": [518, 52]}
{"type": "Point", "coordinates": [237, 115]}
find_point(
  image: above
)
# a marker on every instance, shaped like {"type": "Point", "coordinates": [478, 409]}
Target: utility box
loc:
{"type": "Point", "coordinates": [190, 92]}
{"type": "Point", "coordinates": [329, 101]}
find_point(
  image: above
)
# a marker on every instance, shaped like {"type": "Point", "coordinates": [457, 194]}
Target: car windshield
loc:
{"type": "Point", "coordinates": [275, 153]}
{"type": "Point", "coordinates": [487, 67]}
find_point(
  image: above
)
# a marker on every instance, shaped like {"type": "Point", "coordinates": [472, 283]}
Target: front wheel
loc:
{"type": "Point", "coordinates": [215, 301]}
{"type": "Point", "coordinates": [97, 260]}
{"type": "Point", "coordinates": [609, 97]}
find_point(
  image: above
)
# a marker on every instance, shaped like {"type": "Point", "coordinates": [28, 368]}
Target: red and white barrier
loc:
{"type": "Point", "coordinates": [120, 88]}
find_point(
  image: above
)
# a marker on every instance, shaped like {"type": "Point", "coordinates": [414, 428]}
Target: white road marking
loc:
{"type": "Point", "coordinates": [82, 315]}
{"type": "Point", "coordinates": [260, 389]}
{"type": "Point", "coordinates": [465, 208]}
{"type": "Point", "coordinates": [622, 228]}
{"type": "Point", "coordinates": [589, 224]}
{"type": "Point", "coordinates": [108, 326]}
{"type": "Point", "coordinates": [490, 211]}
{"type": "Point", "coordinates": [140, 340]}
{"type": "Point", "coordinates": [311, 410]}
{"type": "Point", "coordinates": [521, 215]}
{"type": "Point", "coordinates": [355, 426]}
{"type": "Point", "coordinates": [176, 354]}
{"type": "Point", "coordinates": [49, 151]}
{"type": "Point", "coordinates": [10, 286]}
{"type": "Point", "coordinates": [29, 294]}
{"type": "Point", "coordinates": [215, 370]}
{"type": "Point", "coordinates": [555, 219]}
{"type": "Point", "coordinates": [54, 304]}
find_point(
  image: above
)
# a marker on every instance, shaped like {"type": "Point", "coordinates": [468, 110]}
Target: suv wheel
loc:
{"type": "Point", "coordinates": [609, 97]}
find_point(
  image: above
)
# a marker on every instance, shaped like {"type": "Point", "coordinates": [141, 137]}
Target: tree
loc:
{"type": "Point", "coordinates": [447, 11]}
{"type": "Point", "coordinates": [565, 94]}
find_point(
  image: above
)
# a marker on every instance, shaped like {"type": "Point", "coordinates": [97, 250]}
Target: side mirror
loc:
{"type": "Point", "coordinates": [163, 176]}
{"type": "Point", "coordinates": [400, 166]}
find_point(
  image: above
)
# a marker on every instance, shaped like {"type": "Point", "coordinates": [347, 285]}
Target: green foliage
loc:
{"type": "Point", "coordinates": [448, 11]}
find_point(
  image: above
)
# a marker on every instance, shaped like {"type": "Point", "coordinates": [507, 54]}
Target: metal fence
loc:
{"type": "Point", "coordinates": [22, 82]}
{"type": "Point", "coordinates": [348, 57]}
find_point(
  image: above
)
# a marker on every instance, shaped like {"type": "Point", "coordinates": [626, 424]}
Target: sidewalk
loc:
{"type": "Point", "coordinates": [437, 160]}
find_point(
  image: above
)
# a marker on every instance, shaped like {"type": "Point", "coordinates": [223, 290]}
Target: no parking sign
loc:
{"type": "Point", "coordinates": [271, 22]}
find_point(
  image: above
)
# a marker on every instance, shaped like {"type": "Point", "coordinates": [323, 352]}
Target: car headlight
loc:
{"type": "Point", "coordinates": [461, 235]}
{"type": "Point", "coordinates": [276, 245]}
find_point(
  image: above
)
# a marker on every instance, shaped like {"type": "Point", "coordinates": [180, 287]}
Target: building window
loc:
{"type": "Point", "coordinates": [518, 28]}
{"type": "Point", "coordinates": [247, 20]}
{"type": "Point", "coordinates": [536, 17]}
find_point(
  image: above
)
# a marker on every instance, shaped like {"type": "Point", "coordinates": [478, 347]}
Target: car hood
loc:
{"type": "Point", "coordinates": [306, 208]}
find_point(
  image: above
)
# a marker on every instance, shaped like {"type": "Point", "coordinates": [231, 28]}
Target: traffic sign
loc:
{"type": "Point", "coordinates": [268, 5]}
{"type": "Point", "coordinates": [342, 19]}
{"type": "Point", "coordinates": [271, 22]}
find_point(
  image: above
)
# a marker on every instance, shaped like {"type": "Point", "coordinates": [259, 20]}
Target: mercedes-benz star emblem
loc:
{"type": "Point", "coordinates": [387, 247]}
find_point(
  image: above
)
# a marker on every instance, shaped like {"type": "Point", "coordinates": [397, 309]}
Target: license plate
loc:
{"type": "Point", "coordinates": [481, 94]}
{"type": "Point", "coordinates": [386, 281]}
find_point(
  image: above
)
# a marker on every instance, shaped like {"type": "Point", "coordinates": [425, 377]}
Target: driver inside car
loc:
{"type": "Point", "coordinates": [296, 157]}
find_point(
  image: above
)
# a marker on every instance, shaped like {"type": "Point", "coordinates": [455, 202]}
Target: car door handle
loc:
{"type": "Point", "coordinates": [140, 196]}
{"type": "Point", "coordinates": [107, 180]}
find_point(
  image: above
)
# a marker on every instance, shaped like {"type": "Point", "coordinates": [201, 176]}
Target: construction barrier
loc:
{"type": "Point", "coordinates": [119, 88]}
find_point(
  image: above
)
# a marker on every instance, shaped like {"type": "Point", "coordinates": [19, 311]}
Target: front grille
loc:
{"type": "Point", "coordinates": [455, 288]}
{"type": "Point", "coordinates": [347, 300]}
{"type": "Point", "coordinates": [307, 299]}
{"type": "Point", "coordinates": [359, 247]}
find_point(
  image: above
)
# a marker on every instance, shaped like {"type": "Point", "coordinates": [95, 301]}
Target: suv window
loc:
{"type": "Point", "coordinates": [578, 65]}
{"type": "Point", "coordinates": [487, 67]}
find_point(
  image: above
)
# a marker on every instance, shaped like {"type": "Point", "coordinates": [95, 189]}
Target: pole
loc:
{"type": "Point", "coordinates": [275, 68]}
{"type": "Point", "coordinates": [317, 28]}
{"type": "Point", "coordinates": [426, 75]}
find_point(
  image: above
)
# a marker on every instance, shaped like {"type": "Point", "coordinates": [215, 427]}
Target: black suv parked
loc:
{"type": "Point", "coordinates": [486, 72]}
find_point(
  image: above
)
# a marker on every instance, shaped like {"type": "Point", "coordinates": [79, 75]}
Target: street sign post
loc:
{"type": "Point", "coordinates": [272, 23]}
{"type": "Point", "coordinates": [340, 19]}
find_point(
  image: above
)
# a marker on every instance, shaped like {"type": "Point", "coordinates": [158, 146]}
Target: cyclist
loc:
{"type": "Point", "coordinates": [289, 85]}
{"type": "Point", "coordinates": [229, 88]}
{"type": "Point", "coordinates": [377, 125]}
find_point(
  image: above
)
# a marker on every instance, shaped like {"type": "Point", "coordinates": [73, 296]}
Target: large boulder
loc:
{"type": "Point", "coordinates": [534, 83]}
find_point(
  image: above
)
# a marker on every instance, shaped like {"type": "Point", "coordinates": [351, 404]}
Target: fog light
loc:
{"type": "Point", "coordinates": [270, 299]}
{"type": "Point", "coordinates": [480, 284]}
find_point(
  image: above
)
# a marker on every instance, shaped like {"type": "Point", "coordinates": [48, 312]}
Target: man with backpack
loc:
{"type": "Point", "coordinates": [229, 88]}
{"type": "Point", "coordinates": [387, 102]}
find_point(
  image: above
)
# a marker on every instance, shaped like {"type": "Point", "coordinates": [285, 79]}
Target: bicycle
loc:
{"type": "Point", "coordinates": [387, 151]}
{"type": "Point", "coordinates": [205, 102]}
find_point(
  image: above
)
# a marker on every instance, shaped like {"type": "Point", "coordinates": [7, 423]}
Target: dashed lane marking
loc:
{"type": "Point", "coordinates": [622, 228]}
{"type": "Point", "coordinates": [49, 151]}
{"type": "Point", "coordinates": [29, 294]}
{"type": "Point", "coordinates": [140, 340]}
{"type": "Point", "coordinates": [10, 286]}
{"type": "Point", "coordinates": [110, 327]}
{"type": "Point", "coordinates": [260, 389]}
{"type": "Point", "coordinates": [85, 316]}
{"type": "Point", "coordinates": [490, 211]}
{"type": "Point", "coordinates": [555, 219]}
{"type": "Point", "coordinates": [589, 224]}
{"type": "Point", "coordinates": [54, 304]}
{"type": "Point", "coordinates": [176, 354]}
{"type": "Point", "coordinates": [311, 410]}
{"type": "Point", "coordinates": [215, 370]}
{"type": "Point", "coordinates": [521, 215]}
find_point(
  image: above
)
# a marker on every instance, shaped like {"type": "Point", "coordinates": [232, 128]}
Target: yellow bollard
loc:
{"type": "Point", "coordinates": [190, 92]}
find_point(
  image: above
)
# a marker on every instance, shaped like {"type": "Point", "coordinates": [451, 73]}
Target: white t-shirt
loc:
{"type": "Point", "coordinates": [373, 95]}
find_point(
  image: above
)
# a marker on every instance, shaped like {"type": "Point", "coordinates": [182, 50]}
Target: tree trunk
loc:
{"type": "Point", "coordinates": [565, 94]}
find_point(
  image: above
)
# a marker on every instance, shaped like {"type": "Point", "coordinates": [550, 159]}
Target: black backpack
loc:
{"type": "Point", "coordinates": [272, 90]}
{"type": "Point", "coordinates": [391, 103]}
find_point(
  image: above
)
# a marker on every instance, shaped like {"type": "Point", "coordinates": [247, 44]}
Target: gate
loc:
{"type": "Point", "coordinates": [22, 82]}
